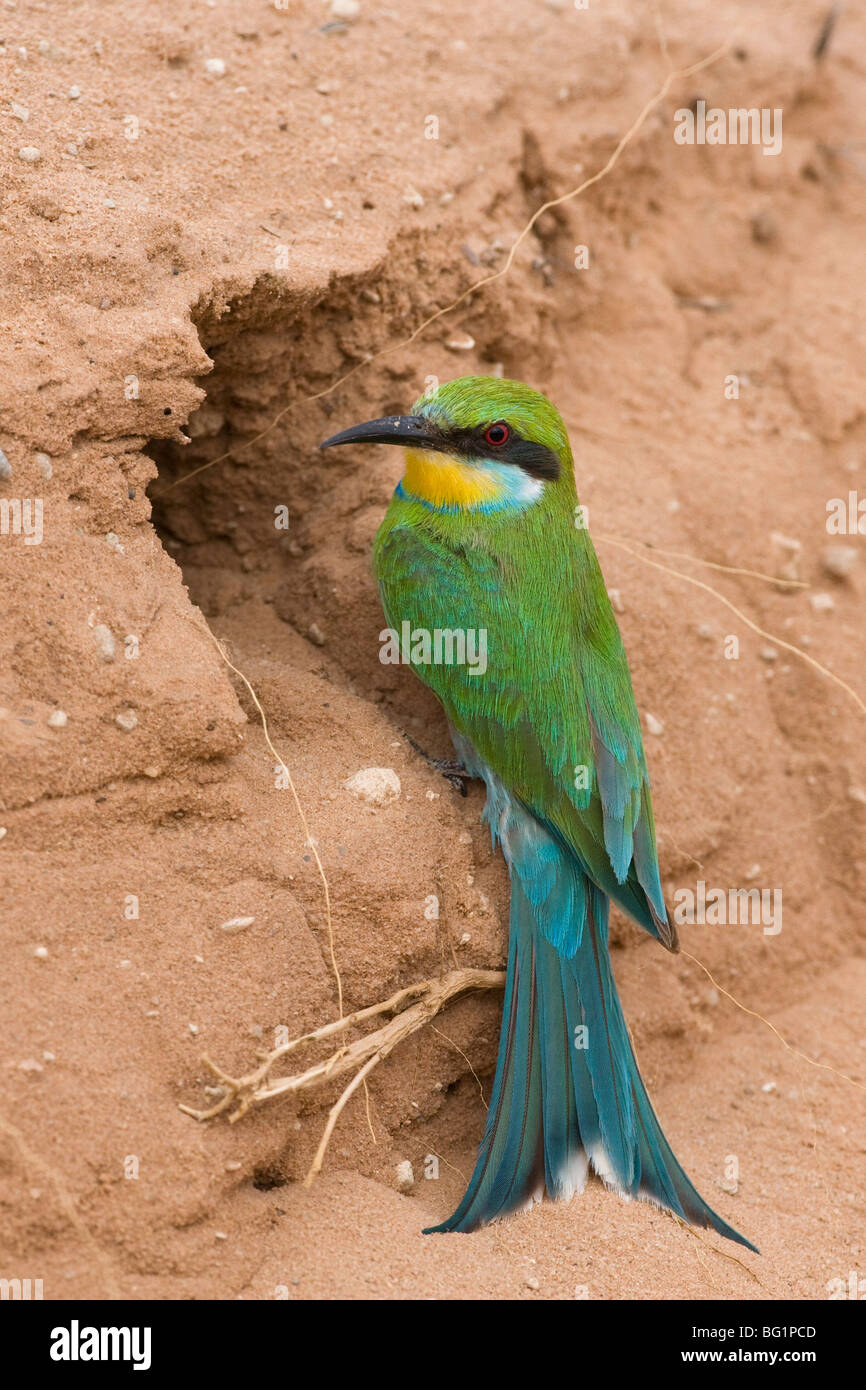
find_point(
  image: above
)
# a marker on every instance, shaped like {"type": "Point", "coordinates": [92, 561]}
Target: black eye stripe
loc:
{"type": "Point", "coordinates": [535, 459]}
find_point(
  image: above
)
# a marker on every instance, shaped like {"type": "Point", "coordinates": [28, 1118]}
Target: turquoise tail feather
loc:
{"type": "Point", "coordinates": [567, 1092]}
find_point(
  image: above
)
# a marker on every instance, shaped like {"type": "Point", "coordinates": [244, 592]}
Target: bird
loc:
{"type": "Point", "coordinates": [485, 533]}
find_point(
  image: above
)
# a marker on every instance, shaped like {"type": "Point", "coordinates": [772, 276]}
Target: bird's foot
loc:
{"type": "Point", "coordinates": [451, 769]}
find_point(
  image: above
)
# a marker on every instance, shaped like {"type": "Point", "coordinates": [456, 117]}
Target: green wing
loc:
{"type": "Point", "coordinates": [553, 715]}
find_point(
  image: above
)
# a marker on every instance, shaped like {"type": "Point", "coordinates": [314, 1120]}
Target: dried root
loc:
{"type": "Point", "coordinates": [238, 1094]}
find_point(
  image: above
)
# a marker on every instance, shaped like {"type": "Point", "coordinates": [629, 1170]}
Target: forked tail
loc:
{"type": "Point", "coordinates": [567, 1091]}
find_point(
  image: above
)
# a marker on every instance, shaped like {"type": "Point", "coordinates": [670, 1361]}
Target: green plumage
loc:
{"type": "Point", "coordinates": [487, 537]}
{"type": "Point", "coordinates": [557, 695]}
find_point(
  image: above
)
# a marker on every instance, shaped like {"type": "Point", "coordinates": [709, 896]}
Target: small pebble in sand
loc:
{"type": "Point", "coordinates": [822, 603]}
{"type": "Point", "coordinates": [58, 719]}
{"type": "Point", "coordinates": [705, 632]}
{"type": "Point", "coordinates": [215, 66]}
{"type": "Point", "coordinates": [857, 794]}
{"type": "Point", "coordinates": [236, 924]}
{"type": "Point", "coordinates": [316, 635]}
{"type": "Point", "coordinates": [19, 112]}
{"type": "Point", "coordinates": [5, 466]}
{"type": "Point", "coordinates": [206, 421]}
{"type": "Point", "coordinates": [193, 1028]}
{"type": "Point", "coordinates": [45, 207]}
{"type": "Point", "coordinates": [2, 831]}
{"type": "Point", "coordinates": [345, 9]}
{"type": "Point", "coordinates": [233, 1166]}
{"type": "Point", "coordinates": [465, 939]}
{"type": "Point", "coordinates": [113, 541]}
{"type": "Point", "coordinates": [654, 726]}
{"type": "Point", "coordinates": [765, 228]}
{"type": "Point", "coordinates": [616, 600]}
{"type": "Point", "coordinates": [376, 786]}
{"type": "Point", "coordinates": [768, 1087]}
{"type": "Point", "coordinates": [126, 720]}
{"type": "Point", "coordinates": [30, 154]}
{"type": "Point", "coordinates": [105, 643]}
{"type": "Point", "coordinates": [405, 1176]}
{"type": "Point", "coordinates": [839, 560]}
{"type": "Point", "coordinates": [43, 463]}
{"type": "Point", "coordinates": [531, 1283]}
{"type": "Point", "coordinates": [74, 93]}
{"type": "Point", "coordinates": [460, 342]}
{"type": "Point", "coordinates": [769, 654]}
{"type": "Point", "coordinates": [41, 953]}
{"type": "Point", "coordinates": [414, 198]}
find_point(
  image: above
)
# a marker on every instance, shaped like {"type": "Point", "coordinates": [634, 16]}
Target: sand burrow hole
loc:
{"type": "Point", "coordinates": [279, 524]}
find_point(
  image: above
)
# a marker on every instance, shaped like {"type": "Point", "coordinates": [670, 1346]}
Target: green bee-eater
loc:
{"type": "Point", "coordinates": [484, 533]}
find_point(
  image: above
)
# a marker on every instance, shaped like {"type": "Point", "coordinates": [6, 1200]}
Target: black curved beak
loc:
{"type": "Point", "coordinates": [411, 430]}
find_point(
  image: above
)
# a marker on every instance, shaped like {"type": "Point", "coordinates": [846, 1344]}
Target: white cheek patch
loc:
{"type": "Point", "coordinates": [514, 488]}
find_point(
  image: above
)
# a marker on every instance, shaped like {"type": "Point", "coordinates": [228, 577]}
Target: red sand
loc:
{"type": "Point", "coordinates": [140, 274]}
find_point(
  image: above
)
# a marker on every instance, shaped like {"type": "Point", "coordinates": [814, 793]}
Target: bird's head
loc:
{"type": "Point", "coordinates": [476, 444]}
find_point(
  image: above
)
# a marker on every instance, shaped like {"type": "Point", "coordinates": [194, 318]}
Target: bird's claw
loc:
{"type": "Point", "coordinates": [458, 777]}
{"type": "Point", "coordinates": [451, 769]}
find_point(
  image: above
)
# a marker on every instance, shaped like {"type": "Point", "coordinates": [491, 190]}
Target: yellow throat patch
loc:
{"type": "Point", "coordinates": [444, 481]}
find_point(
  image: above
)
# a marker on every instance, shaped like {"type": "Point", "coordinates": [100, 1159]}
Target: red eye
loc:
{"type": "Point", "coordinates": [497, 434]}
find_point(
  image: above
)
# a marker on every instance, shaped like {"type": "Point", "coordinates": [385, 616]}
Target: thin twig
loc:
{"type": "Point", "coordinates": [368, 360]}
{"type": "Point", "coordinates": [309, 841]}
{"type": "Point", "coordinates": [768, 636]}
{"type": "Point", "coordinates": [335, 1112]}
